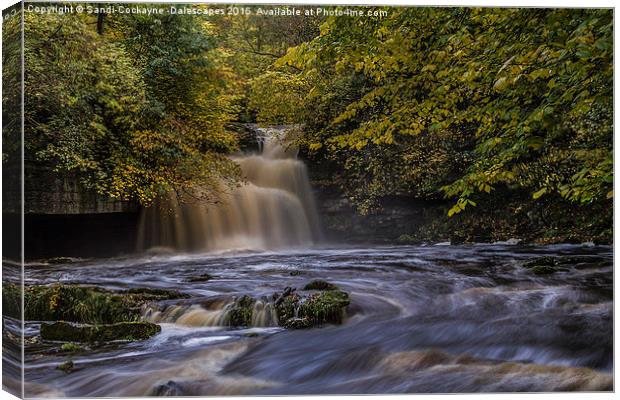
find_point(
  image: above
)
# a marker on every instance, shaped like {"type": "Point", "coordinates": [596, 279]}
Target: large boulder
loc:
{"type": "Point", "coordinates": [70, 332]}
{"type": "Point", "coordinates": [325, 307]}
{"type": "Point", "coordinates": [81, 303]}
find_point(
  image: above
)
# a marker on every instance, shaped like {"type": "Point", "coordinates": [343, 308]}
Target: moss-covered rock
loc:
{"type": "Point", "coordinates": [11, 300]}
{"type": "Point", "coordinates": [127, 331]}
{"type": "Point", "coordinates": [324, 307]}
{"type": "Point", "coordinates": [200, 278]}
{"type": "Point", "coordinates": [543, 270]}
{"type": "Point", "coordinates": [71, 347]}
{"type": "Point", "coordinates": [548, 265]}
{"type": "Point", "coordinates": [319, 284]}
{"type": "Point", "coordinates": [80, 303]}
{"type": "Point", "coordinates": [77, 304]}
{"type": "Point", "coordinates": [67, 366]}
{"type": "Point", "coordinates": [286, 308]}
{"type": "Point", "coordinates": [169, 389]}
{"type": "Point", "coordinates": [545, 261]}
{"type": "Point", "coordinates": [140, 295]}
{"type": "Point", "coordinates": [241, 312]}
{"type": "Point", "coordinates": [297, 323]}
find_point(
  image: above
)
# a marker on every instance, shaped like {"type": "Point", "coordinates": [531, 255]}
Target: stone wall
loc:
{"type": "Point", "coordinates": [46, 192]}
{"type": "Point", "coordinates": [399, 216]}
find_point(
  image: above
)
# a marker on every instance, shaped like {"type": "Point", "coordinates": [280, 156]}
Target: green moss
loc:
{"type": "Point", "coordinates": [245, 301]}
{"type": "Point", "coordinates": [79, 303]}
{"type": "Point", "coordinates": [286, 309]}
{"type": "Point", "coordinates": [320, 285]}
{"type": "Point", "coordinates": [71, 347]}
{"type": "Point", "coordinates": [324, 307]}
{"type": "Point", "coordinates": [153, 294]}
{"type": "Point", "coordinates": [297, 323]}
{"type": "Point", "coordinates": [67, 366]}
{"type": "Point", "coordinates": [241, 313]}
{"type": "Point", "coordinates": [127, 331]}
{"type": "Point", "coordinates": [11, 300]}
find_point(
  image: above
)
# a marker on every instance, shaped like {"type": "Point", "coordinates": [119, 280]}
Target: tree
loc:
{"type": "Point", "coordinates": [522, 95]}
{"type": "Point", "coordinates": [136, 112]}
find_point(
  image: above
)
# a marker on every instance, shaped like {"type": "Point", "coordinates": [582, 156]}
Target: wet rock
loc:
{"type": "Point", "coordinates": [241, 313]}
{"type": "Point", "coordinates": [545, 261]}
{"type": "Point", "coordinates": [297, 323]}
{"type": "Point", "coordinates": [325, 307]}
{"type": "Point", "coordinates": [200, 278]}
{"type": "Point", "coordinates": [80, 303]}
{"type": "Point", "coordinates": [407, 239]}
{"type": "Point", "coordinates": [11, 300]}
{"type": "Point", "coordinates": [77, 304]}
{"type": "Point", "coordinates": [543, 270]}
{"type": "Point", "coordinates": [71, 347]}
{"type": "Point", "coordinates": [168, 389]}
{"type": "Point", "coordinates": [279, 298]}
{"type": "Point", "coordinates": [287, 306]}
{"type": "Point", "coordinates": [320, 285]}
{"type": "Point", "coordinates": [154, 294]}
{"type": "Point", "coordinates": [126, 331]}
{"type": "Point", "coordinates": [251, 334]}
{"type": "Point", "coordinates": [293, 311]}
{"type": "Point", "coordinates": [67, 366]}
{"type": "Point", "coordinates": [548, 265]}
{"type": "Point", "coordinates": [296, 273]}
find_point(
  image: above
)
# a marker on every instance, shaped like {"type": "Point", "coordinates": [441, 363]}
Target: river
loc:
{"type": "Point", "coordinates": [422, 319]}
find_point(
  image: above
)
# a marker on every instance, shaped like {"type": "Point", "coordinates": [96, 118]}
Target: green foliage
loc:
{"type": "Point", "coordinates": [277, 98]}
{"type": "Point", "coordinates": [135, 113]}
{"type": "Point", "coordinates": [463, 101]}
{"type": "Point", "coordinates": [11, 88]}
{"type": "Point", "coordinates": [425, 102]}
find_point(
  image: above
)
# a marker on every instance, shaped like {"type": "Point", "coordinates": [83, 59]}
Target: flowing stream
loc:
{"type": "Point", "coordinates": [421, 319]}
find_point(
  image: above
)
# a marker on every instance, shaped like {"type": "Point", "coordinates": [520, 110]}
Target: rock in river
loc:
{"type": "Point", "coordinates": [69, 332]}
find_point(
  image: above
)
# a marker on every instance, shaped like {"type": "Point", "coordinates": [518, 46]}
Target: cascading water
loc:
{"type": "Point", "coordinates": [263, 314]}
{"type": "Point", "coordinates": [274, 209]}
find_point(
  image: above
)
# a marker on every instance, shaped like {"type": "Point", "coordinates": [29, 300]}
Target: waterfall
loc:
{"type": "Point", "coordinates": [274, 209]}
{"type": "Point", "coordinates": [263, 315]}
